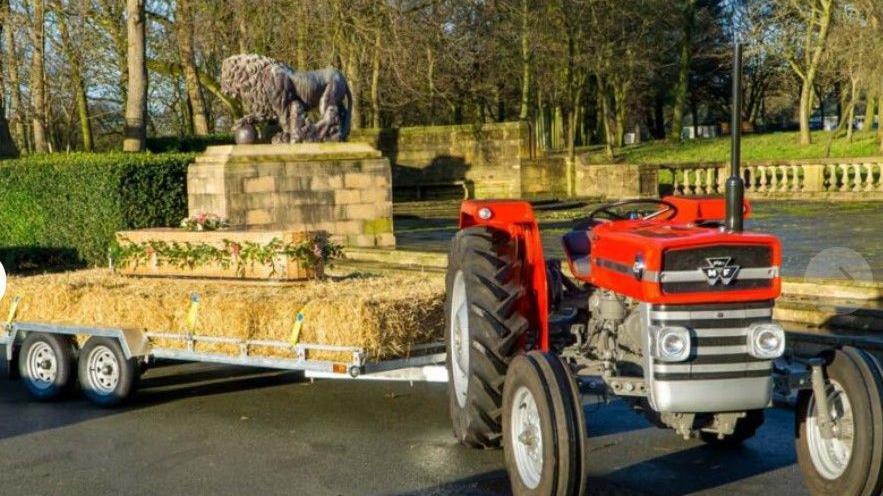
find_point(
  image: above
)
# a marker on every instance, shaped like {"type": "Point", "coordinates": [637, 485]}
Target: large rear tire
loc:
{"type": "Point", "coordinates": [544, 429]}
{"type": "Point", "coordinates": [850, 461]}
{"type": "Point", "coordinates": [482, 330]}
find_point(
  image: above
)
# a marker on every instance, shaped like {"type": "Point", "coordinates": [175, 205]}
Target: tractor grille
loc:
{"type": "Point", "coordinates": [686, 270]}
{"type": "Point", "coordinates": [719, 338]}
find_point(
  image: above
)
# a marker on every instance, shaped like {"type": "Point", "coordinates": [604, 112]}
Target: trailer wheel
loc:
{"type": "Point", "coordinates": [482, 330]}
{"type": "Point", "coordinates": [544, 430]}
{"type": "Point", "coordinates": [848, 462]}
{"type": "Point", "coordinates": [45, 364]}
{"type": "Point", "coordinates": [106, 376]}
{"type": "Point", "coordinates": [746, 428]}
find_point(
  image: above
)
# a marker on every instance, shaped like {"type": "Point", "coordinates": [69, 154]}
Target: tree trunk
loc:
{"type": "Point", "coordinates": [354, 78]}
{"type": "Point", "coordinates": [301, 33]}
{"type": "Point", "coordinates": [7, 144]}
{"type": "Point", "coordinates": [524, 114]}
{"type": "Point", "coordinates": [184, 30]}
{"type": "Point", "coordinates": [11, 63]}
{"type": "Point", "coordinates": [880, 118]}
{"type": "Point", "coordinates": [677, 120]}
{"type": "Point", "coordinates": [77, 82]}
{"type": "Point", "coordinates": [814, 49]}
{"type": "Point", "coordinates": [135, 135]}
{"type": "Point", "coordinates": [850, 112]}
{"type": "Point", "coordinates": [83, 113]}
{"type": "Point", "coordinates": [620, 95]}
{"type": "Point", "coordinates": [805, 113]}
{"type": "Point", "coordinates": [870, 110]}
{"type": "Point", "coordinates": [38, 78]}
{"type": "Point", "coordinates": [375, 79]}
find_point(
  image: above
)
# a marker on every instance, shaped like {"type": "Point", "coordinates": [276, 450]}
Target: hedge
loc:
{"type": "Point", "coordinates": [63, 210]}
{"type": "Point", "coordinates": [171, 144]}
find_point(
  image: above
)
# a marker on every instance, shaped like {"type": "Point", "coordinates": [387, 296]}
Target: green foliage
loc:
{"type": "Point", "coordinates": [72, 204]}
{"type": "Point", "coordinates": [309, 253]}
{"type": "Point", "coordinates": [169, 144]}
{"type": "Point", "coordinates": [755, 148]}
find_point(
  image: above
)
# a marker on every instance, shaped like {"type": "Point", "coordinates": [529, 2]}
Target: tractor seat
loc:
{"type": "Point", "coordinates": [577, 247]}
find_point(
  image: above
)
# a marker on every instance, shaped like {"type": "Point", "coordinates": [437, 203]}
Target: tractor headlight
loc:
{"type": "Point", "coordinates": [766, 341]}
{"type": "Point", "coordinates": [671, 344]}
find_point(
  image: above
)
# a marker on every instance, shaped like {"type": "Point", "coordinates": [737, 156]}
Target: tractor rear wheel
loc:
{"type": "Point", "coordinates": [482, 330]}
{"type": "Point", "coordinates": [846, 460]}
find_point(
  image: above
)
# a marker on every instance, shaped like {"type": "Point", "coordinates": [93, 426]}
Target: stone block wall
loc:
{"type": "Point", "coordinates": [544, 177]}
{"type": "Point", "coordinates": [487, 159]}
{"type": "Point", "coordinates": [616, 181]}
{"type": "Point", "coordinates": [344, 189]}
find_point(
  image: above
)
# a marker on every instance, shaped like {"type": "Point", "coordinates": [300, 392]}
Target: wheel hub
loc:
{"type": "Point", "coordinates": [528, 450]}
{"type": "Point", "coordinates": [830, 454]}
{"type": "Point", "coordinates": [459, 325]}
{"type": "Point", "coordinates": [42, 365]}
{"type": "Point", "coordinates": [103, 369]}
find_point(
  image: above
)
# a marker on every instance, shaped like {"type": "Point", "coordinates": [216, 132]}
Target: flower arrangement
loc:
{"type": "Point", "coordinates": [204, 222]}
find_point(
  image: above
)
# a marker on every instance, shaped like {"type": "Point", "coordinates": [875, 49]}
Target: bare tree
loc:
{"type": "Point", "coordinates": [38, 73]}
{"type": "Point", "coordinates": [7, 145]}
{"type": "Point", "coordinates": [184, 24]}
{"type": "Point", "coordinates": [135, 135]}
{"type": "Point", "coordinates": [805, 25]}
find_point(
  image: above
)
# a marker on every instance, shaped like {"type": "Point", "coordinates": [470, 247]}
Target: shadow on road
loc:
{"type": "Point", "coordinates": [167, 383]}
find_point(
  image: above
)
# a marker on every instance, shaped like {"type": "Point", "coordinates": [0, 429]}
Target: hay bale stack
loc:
{"type": "Point", "coordinates": [386, 315]}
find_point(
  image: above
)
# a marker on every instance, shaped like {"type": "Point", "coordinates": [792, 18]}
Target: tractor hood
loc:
{"type": "Point", "coordinates": [674, 262]}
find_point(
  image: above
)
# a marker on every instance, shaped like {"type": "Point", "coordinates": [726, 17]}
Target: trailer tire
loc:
{"type": "Point", "coordinates": [544, 430]}
{"type": "Point", "coordinates": [746, 428]}
{"type": "Point", "coordinates": [835, 466]}
{"type": "Point", "coordinates": [46, 365]}
{"type": "Point", "coordinates": [482, 330]}
{"type": "Point", "coordinates": [107, 378]}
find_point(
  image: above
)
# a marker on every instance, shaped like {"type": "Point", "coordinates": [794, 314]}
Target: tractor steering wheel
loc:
{"type": "Point", "coordinates": [669, 210]}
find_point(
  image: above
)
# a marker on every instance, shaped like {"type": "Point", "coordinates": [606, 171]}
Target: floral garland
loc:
{"type": "Point", "coordinates": [311, 253]}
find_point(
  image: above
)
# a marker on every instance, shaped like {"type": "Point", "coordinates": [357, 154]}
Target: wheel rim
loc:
{"type": "Point", "coordinates": [459, 339]}
{"type": "Point", "coordinates": [527, 438]}
{"type": "Point", "coordinates": [831, 456]}
{"type": "Point", "coordinates": [42, 363]}
{"type": "Point", "coordinates": [103, 369]}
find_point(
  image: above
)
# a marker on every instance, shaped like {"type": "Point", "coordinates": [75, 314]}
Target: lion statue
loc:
{"type": "Point", "coordinates": [270, 90]}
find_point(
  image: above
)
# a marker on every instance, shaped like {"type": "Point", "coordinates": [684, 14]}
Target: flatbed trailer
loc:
{"type": "Point", "coordinates": [112, 359]}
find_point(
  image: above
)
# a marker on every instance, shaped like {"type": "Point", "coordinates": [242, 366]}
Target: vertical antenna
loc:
{"type": "Point", "coordinates": [735, 189]}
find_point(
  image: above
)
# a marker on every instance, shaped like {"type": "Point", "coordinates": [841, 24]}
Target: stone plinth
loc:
{"type": "Point", "coordinates": [344, 189]}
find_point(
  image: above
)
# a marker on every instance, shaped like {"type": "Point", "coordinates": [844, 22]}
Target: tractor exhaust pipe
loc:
{"type": "Point", "coordinates": [735, 188]}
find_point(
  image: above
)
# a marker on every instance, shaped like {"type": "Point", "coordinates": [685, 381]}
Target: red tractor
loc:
{"type": "Point", "coordinates": [668, 305]}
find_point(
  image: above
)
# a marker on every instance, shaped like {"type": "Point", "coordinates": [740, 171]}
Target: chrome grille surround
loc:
{"type": "Point", "coordinates": [720, 375]}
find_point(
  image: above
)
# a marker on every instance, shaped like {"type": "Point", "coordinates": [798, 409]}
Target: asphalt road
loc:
{"type": "Point", "coordinates": [198, 429]}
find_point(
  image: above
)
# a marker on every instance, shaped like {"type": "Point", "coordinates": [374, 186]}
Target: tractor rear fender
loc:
{"type": "Point", "coordinates": [517, 218]}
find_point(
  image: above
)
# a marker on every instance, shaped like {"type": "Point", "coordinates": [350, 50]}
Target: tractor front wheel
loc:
{"type": "Point", "coordinates": [544, 428]}
{"type": "Point", "coordinates": [843, 454]}
{"type": "Point", "coordinates": [482, 330]}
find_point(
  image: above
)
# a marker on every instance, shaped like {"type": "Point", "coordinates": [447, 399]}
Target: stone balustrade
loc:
{"type": "Point", "coordinates": [830, 179]}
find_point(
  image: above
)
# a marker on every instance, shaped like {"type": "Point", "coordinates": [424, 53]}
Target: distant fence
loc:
{"type": "Point", "coordinates": [853, 179]}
